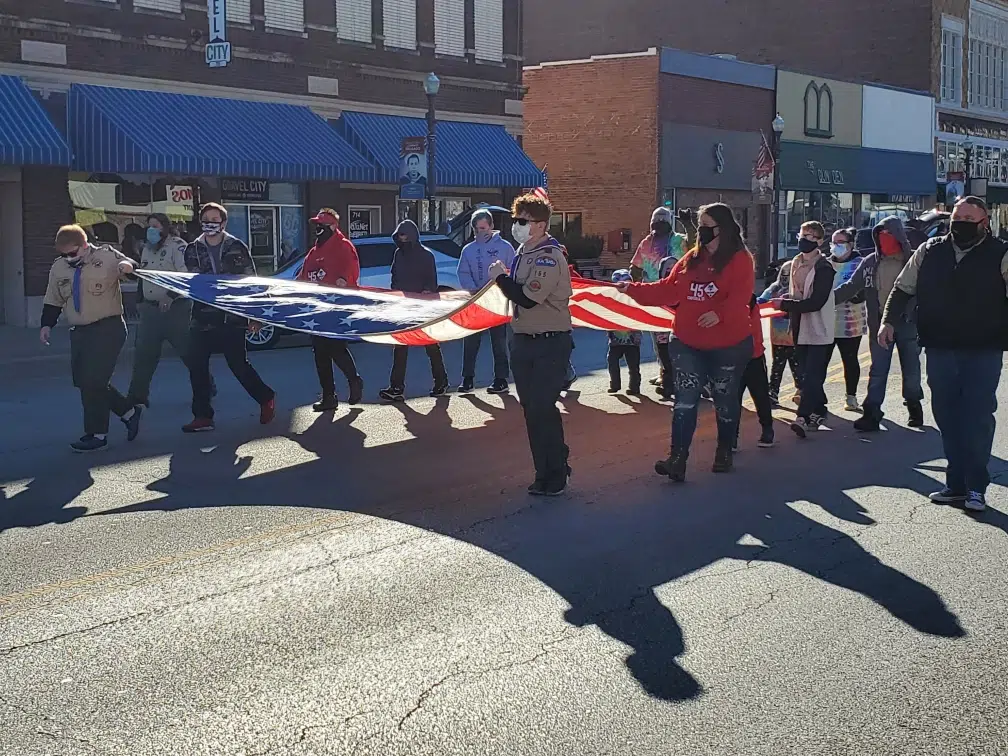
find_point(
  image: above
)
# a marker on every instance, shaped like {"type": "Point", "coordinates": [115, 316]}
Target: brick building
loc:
{"type": "Point", "coordinates": [620, 134]}
{"type": "Point", "coordinates": [858, 40]}
{"type": "Point", "coordinates": [124, 117]}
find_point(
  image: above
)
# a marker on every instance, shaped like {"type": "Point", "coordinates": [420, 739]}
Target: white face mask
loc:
{"type": "Point", "coordinates": [840, 250]}
{"type": "Point", "coordinates": [521, 233]}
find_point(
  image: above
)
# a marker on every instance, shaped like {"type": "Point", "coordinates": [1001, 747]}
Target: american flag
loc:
{"type": "Point", "coordinates": [764, 164]}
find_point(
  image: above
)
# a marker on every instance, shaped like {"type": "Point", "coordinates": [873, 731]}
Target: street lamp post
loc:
{"type": "Point", "coordinates": [778, 129]}
{"type": "Point", "coordinates": [431, 86]}
{"type": "Point", "coordinates": [968, 149]}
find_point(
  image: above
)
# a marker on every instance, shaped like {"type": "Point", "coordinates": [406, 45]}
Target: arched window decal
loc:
{"type": "Point", "coordinates": [818, 111]}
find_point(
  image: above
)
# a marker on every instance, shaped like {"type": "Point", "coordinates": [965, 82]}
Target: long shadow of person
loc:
{"type": "Point", "coordinates": [45, 498]}
{"type": "Point", "coordinates": [622, 533]}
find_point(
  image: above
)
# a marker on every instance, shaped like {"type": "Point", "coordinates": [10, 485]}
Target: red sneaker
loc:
{"type": "Point", "coordinates": [267, 411]}
{"type": "Point", "coordinates": [199, 425]}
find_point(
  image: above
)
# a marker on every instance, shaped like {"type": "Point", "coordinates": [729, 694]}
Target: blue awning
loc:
{"type": "Point", "coordinates": [468, 154]}
{"type": "Point", "coordinates": [27, 136]}
{"type": "Point", "coordinates": [135, 131]}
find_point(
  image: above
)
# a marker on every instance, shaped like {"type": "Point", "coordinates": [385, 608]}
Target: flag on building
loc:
{"type": "Point", "coordinates": [763, 174]}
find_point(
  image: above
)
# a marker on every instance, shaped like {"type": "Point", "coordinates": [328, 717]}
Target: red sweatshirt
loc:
{"type": "Point", "coordinates": [701, 290]}
{"type": "Point", "coordinates": [756, 323]}
{"type": "Point", "coordinates": [334, 260]}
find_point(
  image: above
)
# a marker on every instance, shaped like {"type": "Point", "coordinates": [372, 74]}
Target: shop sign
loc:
{"type": "Point", "coordinates": [825, 176]}
{"type": "Point", "coordinates": [360, 223]}
{"type": "Point", "coordinates": [413, 168]}
{"type": "Point", "coordinates": [719, 157]}
{"type": "Point", "coordinates": [180, 200]}
{"type": "Point", "coordinates": [217, 52]}
{"type": "Point", "coordinates": [245, 190]}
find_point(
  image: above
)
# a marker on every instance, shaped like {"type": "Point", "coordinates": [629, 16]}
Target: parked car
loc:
{"type": "Point", "coordinates": [375, 253]}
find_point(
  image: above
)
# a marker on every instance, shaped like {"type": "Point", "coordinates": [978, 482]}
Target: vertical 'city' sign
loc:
{"type": "Point", "coordinates": [218, 49]}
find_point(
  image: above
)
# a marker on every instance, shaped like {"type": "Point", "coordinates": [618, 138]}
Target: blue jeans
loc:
{"type": "Point", "coordinates": [963, 399]}
{"type": "Point", "coordinates": [694, 368]}
{"type": "Point", "coordinates": [881, 361]}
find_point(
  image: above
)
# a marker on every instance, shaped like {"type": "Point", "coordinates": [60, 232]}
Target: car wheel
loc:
{"type": "Point", "coordinates": [265, 338]}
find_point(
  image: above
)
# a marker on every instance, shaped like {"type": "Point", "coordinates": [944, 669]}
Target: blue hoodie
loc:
{"type": "Point", "coordinates": [477, 256]}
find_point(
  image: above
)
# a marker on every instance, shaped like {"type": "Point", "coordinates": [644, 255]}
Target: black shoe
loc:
{"type": "Point", "coordinates": [916, 415]}
{"type": "Point", "coordinates": [89, 443]}
{"type": "Point", "coordinates": [869, 421]}
{"type": "Point", "coordinates": [634, 389]}
{"type": "Point", "coordinates": [614, 388]}
{"type": "Point", "coordinates": [392, 394]}
{"type": "Point", "coordinates": [555, 487]}
{"type": "Point", "coordinates": [499, 387]}
{"type": "Point", "coordinates": [356, 390]}
{"type": "Point", "coordinates": [723, 460]}
{"type": "Point", "coordinates": [133, 424]}
{"type": "Point", "coordinates": [766, 439]}
{"type": "Point", "coordinates": [674, 467]}
{"type": "Point", "coordinates": [467, 385]}
{"type": "Point", "coordinates": [440, 389]}
{"type": "Point", "coordinates": [326, 403]}
{"type": "Point", "coordinates": [538, 488]}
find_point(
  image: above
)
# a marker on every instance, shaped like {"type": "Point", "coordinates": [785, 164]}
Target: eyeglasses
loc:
{"type": "Point", "coordinates": [524, 221]}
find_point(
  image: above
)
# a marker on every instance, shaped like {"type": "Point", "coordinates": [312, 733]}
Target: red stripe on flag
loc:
{"type": "Point", "coordinates": [475, 317]}
{"type": "Point", "coordinates": [633, 312]}
{"type": "Point", "coordinates": [415, 337]}
{"type": "Point", "coordinates": [596, 321]}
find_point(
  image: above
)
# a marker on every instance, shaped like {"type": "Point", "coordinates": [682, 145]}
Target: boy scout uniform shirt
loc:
{"type": "Point", "coordinates": [170, 257]}
{"type": "Point", "coordinates": [100, 295]}
{"type": "Point", "coordinates": [545, 279]}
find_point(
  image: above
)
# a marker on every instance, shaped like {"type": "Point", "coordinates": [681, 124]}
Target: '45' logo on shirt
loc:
{"type": "Point", "coordinates": [316, 275]}
{"type": "Point", "coordinates": [701, 292]}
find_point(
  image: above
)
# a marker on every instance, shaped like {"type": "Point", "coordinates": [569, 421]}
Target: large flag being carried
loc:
{"type": "Point", "coordinates": [388, 317]}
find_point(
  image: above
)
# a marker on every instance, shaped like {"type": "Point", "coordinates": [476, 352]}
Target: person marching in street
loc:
{"type": "Point", "coordinates": [755, 380]}
{"type": "Point", "coordinates": [414, 271]}
{"type": "Point", "coordinates": [211, 330]}
{"type": "Point", "coordinates": [539, 287]}
{"type": "Point", "coordinates": [874, 277]}
{"type": "Point", "coordinates": [661, 243]}
{"type": "Point", "coordinates": [960, 283]}
{"type": "Point", "coordinates": [332, 261]}
{"type": "Point", "coordinates": [486, 247]}
{"type": "Point", "coordinates": [710, 289]}
{"type": "Point", "coordinates": [164, 315]}
{"type": "Point", "coordinates": [84, 288]}
{"type": "Point", "coordinates": [624, 345]}
{"type": "Point", "coordinates": [810, 305]}
{"type": "Point", "coordinates": [851, 316]}
{"type": "Point", "coordinates": [782, 346]}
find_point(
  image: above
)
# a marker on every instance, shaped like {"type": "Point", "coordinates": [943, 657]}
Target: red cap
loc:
{"type": "Point", "coordinates": [326, 216]}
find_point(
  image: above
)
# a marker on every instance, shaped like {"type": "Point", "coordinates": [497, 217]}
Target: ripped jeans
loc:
{"type": "Point", "coordinates": [724, 369]}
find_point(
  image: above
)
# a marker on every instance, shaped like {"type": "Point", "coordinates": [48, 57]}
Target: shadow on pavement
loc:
{"type": "Point", "coordinates": [606, 547]}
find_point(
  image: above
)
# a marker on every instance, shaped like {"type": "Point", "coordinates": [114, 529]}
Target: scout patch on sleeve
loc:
{"type": "Point", "coordinates": [545, 261]}
{"type": "Point", "coordinates": [534, 285]}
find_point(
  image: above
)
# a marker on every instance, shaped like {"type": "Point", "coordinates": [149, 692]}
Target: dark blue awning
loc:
{"type": "Point", "coordinates": [135, 131]}
{"type": "Point", "coordinates": [27, 136]}
{"type": "Point", "coordinates": [468, 154]}
{"type": "Point", "coordinates": [815, 167]}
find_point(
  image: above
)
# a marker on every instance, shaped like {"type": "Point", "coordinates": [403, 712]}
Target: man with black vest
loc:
{"type": "Point", "coordinates": [961, 284]}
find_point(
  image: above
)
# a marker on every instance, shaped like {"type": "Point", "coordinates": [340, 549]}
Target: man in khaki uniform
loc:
{"type": "Point", "coordinates": [539, 286]}
{"type": "Point", "coordinates": [84, 287]}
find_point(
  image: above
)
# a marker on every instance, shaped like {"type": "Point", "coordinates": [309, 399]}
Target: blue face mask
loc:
{"type": "Point", "coordinates": [153, 236]}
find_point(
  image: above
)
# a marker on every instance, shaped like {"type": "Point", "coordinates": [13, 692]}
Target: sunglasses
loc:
{"type": "Point", "coordinates": [524, 221]}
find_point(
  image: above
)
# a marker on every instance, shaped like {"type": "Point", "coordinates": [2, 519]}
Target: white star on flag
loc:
{"type": "Point", "coordinates": [269, 312]}
{"type": "Point", "coordinates": [310, 324]}
{"type": "Point", "coordinates": [332, 298]}
{"type": "Point", "coordinates": [306, 309]}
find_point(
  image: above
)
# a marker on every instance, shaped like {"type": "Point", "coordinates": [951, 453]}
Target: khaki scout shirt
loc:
{"type": "Point", "coordinates": [100, 295]}
{"type": "Point", "coordinates": [169, 257]}
{"type": "Point", "coordinates": [545, 279]}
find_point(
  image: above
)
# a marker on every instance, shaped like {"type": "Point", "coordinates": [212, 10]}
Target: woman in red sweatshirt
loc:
{"type": "Point", "coordinates": [332, 261]}
{"type": "Point", "coordinates": [710, 289]}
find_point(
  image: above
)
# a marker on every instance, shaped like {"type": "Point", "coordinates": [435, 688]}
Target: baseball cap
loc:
{"type": "Point", "coordinates": [621, 275]}
{"type": "Point", "coordinates": [326, 215]}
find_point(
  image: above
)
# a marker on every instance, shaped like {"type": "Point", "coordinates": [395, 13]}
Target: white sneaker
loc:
{"type": "Point", "coordinates": [852, 405]}
{"type": "Point", "coordinates": [975, 502]}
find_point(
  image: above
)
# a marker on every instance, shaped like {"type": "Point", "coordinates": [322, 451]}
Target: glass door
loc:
{"type": "Point", "coordinates": [263, 233]}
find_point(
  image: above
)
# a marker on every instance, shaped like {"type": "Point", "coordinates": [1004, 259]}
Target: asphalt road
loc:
{"type": "Point", "coordinates": [375, 581]}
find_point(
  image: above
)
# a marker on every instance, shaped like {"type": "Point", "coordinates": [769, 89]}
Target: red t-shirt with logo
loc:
{"type": "Point", "coordinates": [335, 259]}
{"type": "Point", "coordinates": [699, 290]}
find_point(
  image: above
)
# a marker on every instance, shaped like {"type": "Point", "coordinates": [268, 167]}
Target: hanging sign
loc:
{"type": "Point", "coordinates": [218, 50]}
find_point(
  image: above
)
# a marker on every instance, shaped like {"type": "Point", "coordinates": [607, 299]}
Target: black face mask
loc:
{"type": "Point", "coordinates": [705, 234]}
{"type": "Point", "coordinates": [324, 234]}
{"type": "Point", "coordinates": [661, 228]}
{"type": "Point", "coordinates": [966, 234]}
{"type": "Point", "coordinates": [806, 246]}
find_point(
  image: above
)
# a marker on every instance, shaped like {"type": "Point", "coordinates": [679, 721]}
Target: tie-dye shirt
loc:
{"type": "Point", "coordinates": [652, 250]}
{"type": "Point", "coordinates": [851, 317]}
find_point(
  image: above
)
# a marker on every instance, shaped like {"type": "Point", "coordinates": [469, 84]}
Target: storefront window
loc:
{"type": "Point", "coordinates": [269, 217]}
{"type": "Point", "coordinates": [446, 208]}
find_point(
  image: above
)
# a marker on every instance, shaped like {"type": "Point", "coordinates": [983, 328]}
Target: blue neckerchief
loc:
{"type": "Point", "coordinates": [75, 288]}
{"type": "Point", "coordinates": [514, 266]}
